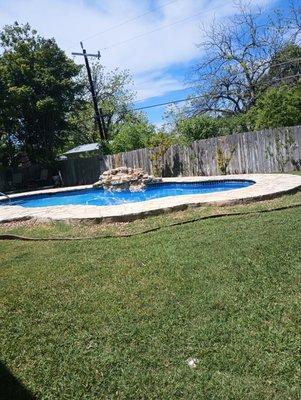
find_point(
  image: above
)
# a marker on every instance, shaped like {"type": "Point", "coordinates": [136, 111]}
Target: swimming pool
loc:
{"type": "Point", "coordinates": [100, 197]}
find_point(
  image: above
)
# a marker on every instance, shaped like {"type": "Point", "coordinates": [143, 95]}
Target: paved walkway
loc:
{"type": "Point", "coordinates": [266, 186]}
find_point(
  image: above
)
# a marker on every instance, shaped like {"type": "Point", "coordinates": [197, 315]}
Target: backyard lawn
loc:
{"type": "Point", "coordinates": [118, 318]}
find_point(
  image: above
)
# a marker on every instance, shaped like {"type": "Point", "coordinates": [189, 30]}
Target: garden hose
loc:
{"type": "Point", "coordinates": [8, 236]}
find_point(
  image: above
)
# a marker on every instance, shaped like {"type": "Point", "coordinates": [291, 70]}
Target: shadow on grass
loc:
{"type": "Point", "coordinates": [11, 388]}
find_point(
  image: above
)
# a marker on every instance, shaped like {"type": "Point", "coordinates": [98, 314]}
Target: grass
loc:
{"type": "Point", "coordinates": [118, 318]}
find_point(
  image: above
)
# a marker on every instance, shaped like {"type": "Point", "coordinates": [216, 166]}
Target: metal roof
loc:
{"type": "Point", "coordinates": [84, 148]}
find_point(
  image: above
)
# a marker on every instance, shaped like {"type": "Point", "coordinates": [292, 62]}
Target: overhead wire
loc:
{"type": "Point", "coordinates": [197, 97]}
{"type": "Point", "coordinates": [161, 28]}
{"type": "Point", "coordinates": [127, 21]}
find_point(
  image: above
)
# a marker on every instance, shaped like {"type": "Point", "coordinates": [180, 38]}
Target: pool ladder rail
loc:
{"type": "Point", "coordinates": [5, 195]}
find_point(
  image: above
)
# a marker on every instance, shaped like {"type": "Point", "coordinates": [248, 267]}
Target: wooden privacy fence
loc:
{"type": "Point", "coordinates": [25, 178]}
{"type": "Point", "coordinates": [273, 150]}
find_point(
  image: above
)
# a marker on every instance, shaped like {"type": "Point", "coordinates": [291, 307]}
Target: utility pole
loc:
{"type": "Point", "coordinates": [97, 115]}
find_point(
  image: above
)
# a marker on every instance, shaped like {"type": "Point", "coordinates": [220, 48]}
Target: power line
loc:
{"type": "Point", "coordinates": [147, 98]}
{"type": "Point", "coordinates": [285, 77]}
{"type": "Point", "coordinates": [160, 28]}
{"type": "Point", "coordinates": [163, 27]}
{"type": "Point", "coordinates": [128, 21]}
{"type": "Point", "coordinates": [197, 97]}
{"type": "Point", "coordinates": [285, 62]}
{"type": "Point", "coordinates": [167, 103]}
{"type": "Point", "coordinates": [155, 30]}
{"type": "Point", "coordinates": [291, 60]}
{"type": "Point", "coordinates": [131, 20]}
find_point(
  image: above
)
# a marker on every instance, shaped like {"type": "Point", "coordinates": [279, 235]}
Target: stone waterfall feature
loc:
{"type": "Point", "coordinates": [123, 178]}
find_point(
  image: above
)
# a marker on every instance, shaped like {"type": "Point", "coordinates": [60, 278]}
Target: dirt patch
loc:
{"type": "Point", "coordinates": [24, 222]}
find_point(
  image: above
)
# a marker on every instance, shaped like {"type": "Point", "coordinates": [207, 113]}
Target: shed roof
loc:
{"type": "Point", "coordinates": [84, 148]}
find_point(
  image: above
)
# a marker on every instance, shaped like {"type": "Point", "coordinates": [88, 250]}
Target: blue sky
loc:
{"type": "Point", "coordinates": [159, 60]}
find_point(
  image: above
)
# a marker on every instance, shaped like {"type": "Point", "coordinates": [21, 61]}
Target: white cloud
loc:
{"type": "Point", "coordinates": [148, 57]}
{"type": "Point", "coordinates": [156, 84]}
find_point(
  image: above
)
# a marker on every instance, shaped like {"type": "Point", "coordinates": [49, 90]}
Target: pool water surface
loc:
{"type": "Point", "coordinates": [100, 197]}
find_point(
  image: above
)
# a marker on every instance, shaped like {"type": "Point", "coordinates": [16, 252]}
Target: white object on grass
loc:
{"type": "Point", "coordinates": [192, 362]}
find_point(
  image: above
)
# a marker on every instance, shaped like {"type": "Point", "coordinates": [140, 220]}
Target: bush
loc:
{"type": "Point", "coordinates": [132, 135]}
{"type": "Point", "coordinates": [278, 107]}
{"type": "Point", "coordinates": [204, 126]}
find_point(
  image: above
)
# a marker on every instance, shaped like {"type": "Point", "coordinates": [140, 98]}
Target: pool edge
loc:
{"type": "Point", "coordinates": [267, 186]}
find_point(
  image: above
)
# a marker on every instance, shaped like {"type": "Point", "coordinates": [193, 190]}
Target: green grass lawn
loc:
{"type": "Point", "coordinates": [118, 318]}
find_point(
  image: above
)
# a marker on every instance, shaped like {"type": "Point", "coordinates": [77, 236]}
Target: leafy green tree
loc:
{"type": "Point", "coordinates": [7, 151]}
{"type": "Point", "coordinates": [206, 126]}
{"type": "Point", "coordinates": [278, 107]}
{"type": "Point", "coordinates": [285, 65]}
{"type": "Point", "coordinates": [195, 128]}
{"type": "Point", "coordinates": [114, 96]}
{"type": "Point", "coordinates": [132, 134]}
{"type": "Point", "coordinates": [38, 92]}
{"type": "Point", "coordinates": [83, 128]}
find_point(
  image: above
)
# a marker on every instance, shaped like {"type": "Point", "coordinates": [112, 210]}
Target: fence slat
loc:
{"type": "Point", "coordinates": [266, 151]}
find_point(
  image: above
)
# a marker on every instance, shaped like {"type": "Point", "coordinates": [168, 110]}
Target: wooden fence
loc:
{"type": "Point", "coordinates": [265, 151]}
{"type": "Point", "coordinates": [274, 150]}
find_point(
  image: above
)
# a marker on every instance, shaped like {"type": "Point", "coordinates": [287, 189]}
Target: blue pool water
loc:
{"type": "Point", "coordinates": [100, 197]}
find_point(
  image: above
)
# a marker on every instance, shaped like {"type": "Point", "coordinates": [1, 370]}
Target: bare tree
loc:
{"type": "Point", "coordinates": [237, 57]}
{"type": "Point", "coordinates": [294, 20]}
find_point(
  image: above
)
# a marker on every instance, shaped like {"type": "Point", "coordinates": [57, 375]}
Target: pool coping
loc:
{"type": "Point", "coordinates": [266, 186]}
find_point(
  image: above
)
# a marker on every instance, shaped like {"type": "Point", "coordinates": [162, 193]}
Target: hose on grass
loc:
{"type": "Point", "coordinates": [8, 236]}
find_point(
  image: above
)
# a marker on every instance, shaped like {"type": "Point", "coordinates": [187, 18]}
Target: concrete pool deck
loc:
{"type": "Point", "coordinates": [266, 186]}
